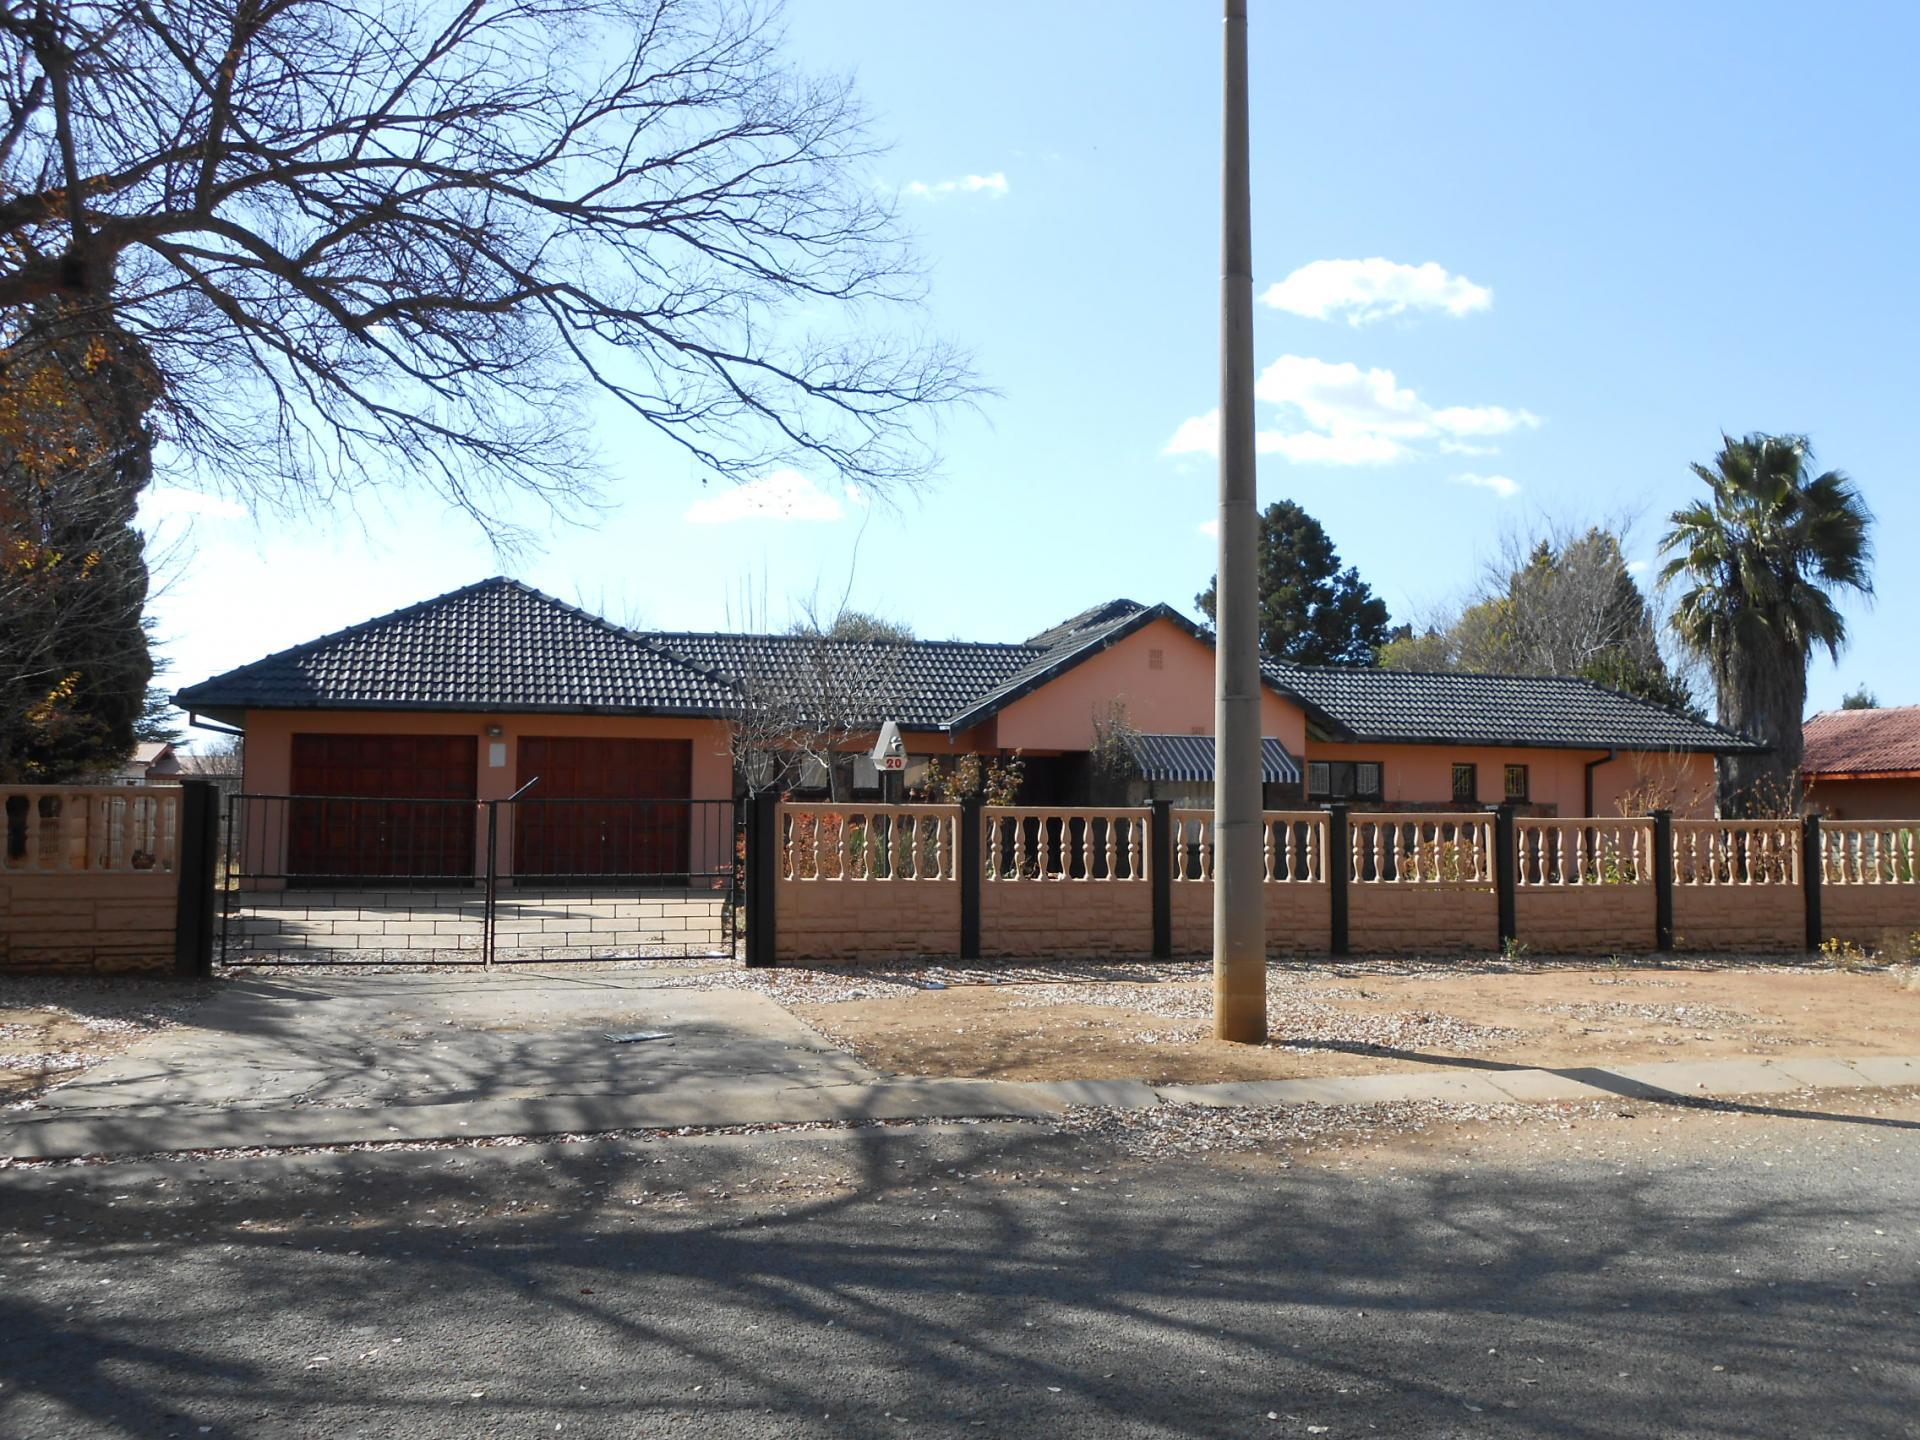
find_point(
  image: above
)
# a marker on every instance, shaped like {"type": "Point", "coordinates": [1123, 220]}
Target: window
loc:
{"type": "Point", "coordinates": [1156, 659]}
{"type": "Point", "coordinates": [1516, 782]}
{"type": "Point", "coordinates": [1343, 780]}
{"type": "Point", "coordinates": [1466, 784]}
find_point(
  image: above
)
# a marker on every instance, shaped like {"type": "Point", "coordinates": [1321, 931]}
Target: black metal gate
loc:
{"type": "Point", "coordinates": [362, 880]}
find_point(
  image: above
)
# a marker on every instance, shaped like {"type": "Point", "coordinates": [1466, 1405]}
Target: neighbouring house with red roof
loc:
{"type": "Point", "coordinates": [1863, 764]}
{"type": "Point", "coordinates": [471, 695]}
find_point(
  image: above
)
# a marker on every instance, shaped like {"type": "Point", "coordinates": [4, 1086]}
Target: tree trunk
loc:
{"type": "Point", "coordinates": [1762, 689]}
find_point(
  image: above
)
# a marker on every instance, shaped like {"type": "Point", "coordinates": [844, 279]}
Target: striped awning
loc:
{"type": "Point", "coordinates": [1189, 759]}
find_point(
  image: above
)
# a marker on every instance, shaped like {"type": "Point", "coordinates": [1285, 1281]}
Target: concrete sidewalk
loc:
{"type": "Point", "coordinates": [52, 1134]}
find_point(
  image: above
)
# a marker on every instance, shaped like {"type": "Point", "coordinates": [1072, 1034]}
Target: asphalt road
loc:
{"type": "Point", "coordinates": [1736, 1274]}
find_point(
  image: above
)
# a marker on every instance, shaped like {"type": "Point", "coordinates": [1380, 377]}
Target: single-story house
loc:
{"type": "Point", "coordinates": [1863, 764]}
{"type": "Point", "coordinates": [473, 694]}
{"type": "Point", "coordinates": [153, 762]}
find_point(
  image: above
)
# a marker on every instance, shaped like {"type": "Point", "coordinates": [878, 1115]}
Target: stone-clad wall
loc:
{"type": "Point", "coordinates": [1406, 919]}
{"type": "Point", "coordinates": [867, 919]}
{"type": "Point", "coordinates": [1876, 916]}
{"type": "Point", "coordinates": [92, 923]}
{"type": "Point", "coordinates": [1066, 918]}
{"type": "Point", "coordinates": [1736, 886]}
{"type": "Point", "coordinates": [1586, 919]}
{"type": "Point", "coordinates": [1769, 918]}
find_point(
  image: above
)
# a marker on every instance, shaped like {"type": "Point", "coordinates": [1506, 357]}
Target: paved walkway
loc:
{"type": "Point", "coordinates": [313, 1061]}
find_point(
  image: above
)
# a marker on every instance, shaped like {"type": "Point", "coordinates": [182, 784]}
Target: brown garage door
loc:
{"type": "Point", "coordinates": [393, 810]}
{"type": "Point", "coordinates": [613, 808]}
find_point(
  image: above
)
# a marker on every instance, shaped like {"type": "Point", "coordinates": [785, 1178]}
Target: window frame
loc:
{"type": "Point", "coordinates": [1469, 770]}
{"type": "Point", "coordinates": [1507, 792]}
{"type": "Point", "coordinates": [1350, 770]}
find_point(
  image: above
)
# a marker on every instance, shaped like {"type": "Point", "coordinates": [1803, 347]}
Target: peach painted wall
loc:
{"type": "Point", "coordinates": [269, 753]}
{"type": "Point", "coordinates": [1865, 799]}
{"type": "Point", "coordinates": [1423, 774]}
{"type": "Point", "coordinates": [1176, 699]}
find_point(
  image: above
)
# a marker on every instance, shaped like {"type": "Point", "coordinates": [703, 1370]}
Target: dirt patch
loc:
{"type": "Point", "coordinates": [55, 1028]}
{"type": "Point", "coordinates": [1143, 1022]}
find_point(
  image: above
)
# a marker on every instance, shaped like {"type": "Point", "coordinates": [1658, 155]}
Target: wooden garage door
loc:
{"type": "Point", "coordinates": [613, 808]}
{"type": "Point", "coordinates": [393, 811]}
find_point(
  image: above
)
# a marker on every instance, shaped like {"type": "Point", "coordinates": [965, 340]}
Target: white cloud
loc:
{"type": "Point", "coordinates": [1376, 289]}
{"type": "Point", "coordinates": [1505, 486]}
{"type": "Point", "coordinates": [782, 495]}
{"type": "Point", "coordinates": [994, 185]}
{"type": "Point", "coordinates": [165, 501]}
{"type": "Point", "coordinates": [1338, 414]}
{"type": "Point", "coordinates": [1209, 528]}
{"type": "Point", "coordinates": [1461, 447]}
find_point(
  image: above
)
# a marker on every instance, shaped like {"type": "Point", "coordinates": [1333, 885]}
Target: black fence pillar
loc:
{"type": "Point", "coordinates": [1663, 880]}
{"type": "Point", "coordinates": [196, 859]}
{"type": "Point", "coordinates": [972, 869]}
{"type": "Point", "coordinates": [763, 873]}
{"type": "Point", "coordinates": [1160, 876]}
{"type": "Point", "coordinates": [1339, 862]}
{"type": "Point", "coordinates": [1506, 874]}
{"type": "Point", "coordinates": [1811, 874]}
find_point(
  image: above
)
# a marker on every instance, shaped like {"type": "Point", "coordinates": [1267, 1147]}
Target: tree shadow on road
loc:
{"type": "Point", "coordinates": [955, 1279]}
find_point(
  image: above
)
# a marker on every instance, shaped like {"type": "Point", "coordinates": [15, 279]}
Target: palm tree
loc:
{"type": "Point", "coordinates": [1764, 557]}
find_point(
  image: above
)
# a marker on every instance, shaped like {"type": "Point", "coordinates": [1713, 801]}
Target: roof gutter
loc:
{"type": "Point", "coordinates": [195, 722]}
{"type": "Point", "coordinates": [1593, 765]}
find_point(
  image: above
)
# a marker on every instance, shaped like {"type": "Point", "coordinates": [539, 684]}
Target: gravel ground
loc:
{"type": "Point", "coordinates": [55, 1027]}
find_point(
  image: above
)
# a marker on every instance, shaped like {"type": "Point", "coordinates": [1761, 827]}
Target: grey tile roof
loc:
{"type": "Point", "coordinates": [497, 645]}
{"type": "Point", "coordinates": [500, 645]}
{"type": "Point", "coordinates": [921, 684]}
{"type": "Point", "coordinates": [1525, 710]}
{"type": "Point", "coordinates": [1189, 759]}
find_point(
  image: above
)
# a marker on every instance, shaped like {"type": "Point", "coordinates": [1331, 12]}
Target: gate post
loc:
{"type": "Point", "coordinates": [971, 815]}
{"type": "Point", "coordinates": [763, 869]}
{"type": "Point", "coordinates": [490, 897]}
{"type": "Point", "coordinates": [1339, 863]}
{"type": "Point", "coordinates": [1663, 880]}
{"type": "Point", "coordinates": [196, 858]}
{"type": "Point", "coordinates": [1506, 873]}
{"type": "Point", "coordinates": [1812, 872]}
{"type": "Point", "coordinates": [1160, 876]}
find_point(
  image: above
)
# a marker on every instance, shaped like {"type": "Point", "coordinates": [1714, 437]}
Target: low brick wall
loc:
{"type": "Point", "coordinates": [1871, 915]}
{"type": "Point", "coordinates": [1066, 918]}
{"type": "Point", "coordinates": [94, 923]}
{"type": "Point", "coordinates": [1739, 917]}
{"type": "Point", "coordinates": [1586, 919]}
{"type": "Point", "coordinates": [1410, 919]}
{"type": "Point", "coordinates": [867, 919]}
{"type": "Point", "coordinates": [1299, 918]}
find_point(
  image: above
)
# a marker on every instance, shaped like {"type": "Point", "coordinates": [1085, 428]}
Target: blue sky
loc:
{"type": "Point", "coordinates": [1646, 223]}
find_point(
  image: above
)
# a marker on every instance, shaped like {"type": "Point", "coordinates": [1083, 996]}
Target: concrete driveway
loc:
{"type": "Point", "coordinates": [411, 1039]}
{"type": "Point", "coordinates": [322, 1060]}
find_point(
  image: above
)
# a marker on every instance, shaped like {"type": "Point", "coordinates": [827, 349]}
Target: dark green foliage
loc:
{"type": "Point", "coordinates": [74, 456]}
{"type": "Point", "coordinates": [1311, 611]}
{"type": "Point", "coordinates": [1860, 699]}
{"type": "Point", "coordinates": [1567, 606]}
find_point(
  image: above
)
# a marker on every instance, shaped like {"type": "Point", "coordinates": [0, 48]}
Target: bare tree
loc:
{"type": "Point", "coordinates": [358, 240]}
{"type": "Point", "coordinates": [835, 677]}
{"type": "Point", "coordinates": [1554, 599]}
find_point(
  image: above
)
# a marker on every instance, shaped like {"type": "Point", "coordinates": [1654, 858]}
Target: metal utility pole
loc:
{"type": "Point", "coordinates": [1239, 869]}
